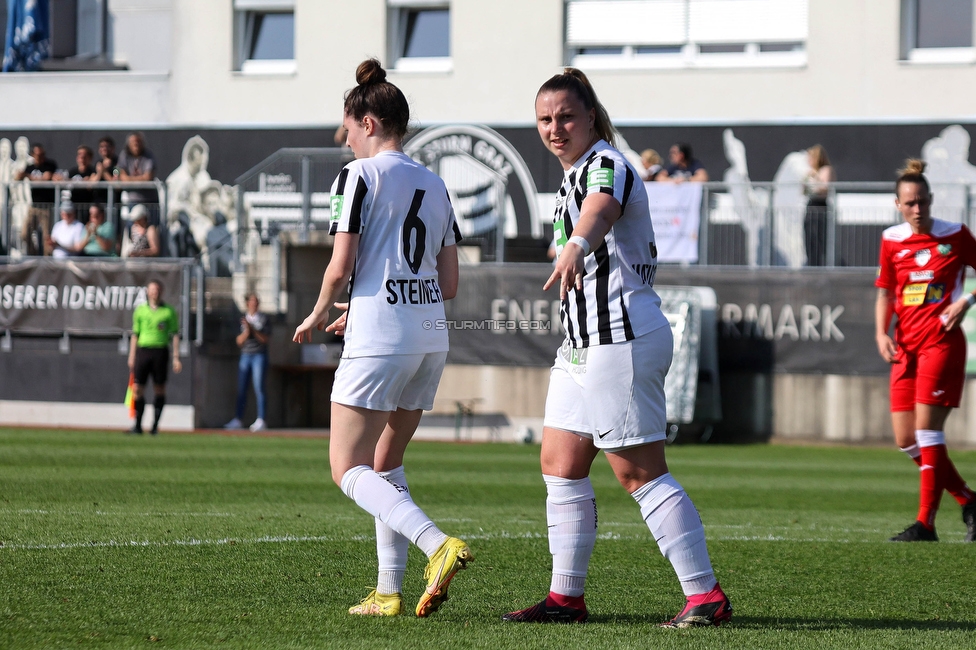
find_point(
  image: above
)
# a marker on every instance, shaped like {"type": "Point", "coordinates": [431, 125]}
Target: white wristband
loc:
{"type": "Point", "coordinates": [971, 299]}
{"type": "Point", "coordinates": [581, 242]}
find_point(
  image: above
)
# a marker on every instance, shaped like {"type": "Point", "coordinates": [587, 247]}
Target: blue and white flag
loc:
{"type": "Point", "coordinates": [28, 35]}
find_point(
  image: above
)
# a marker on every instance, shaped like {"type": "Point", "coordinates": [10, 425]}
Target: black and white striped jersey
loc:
{"type": "Point", "coordinates": [617, 302]}
{"type": "Point", "coordinates": [403, 215]}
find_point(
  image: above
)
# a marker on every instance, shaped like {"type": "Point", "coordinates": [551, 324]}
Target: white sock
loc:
{"type": "Point", "coordinates": [571, 515]}
{"type": "Point", "coordinates": [929, 437]}
{"type": "Point", "coordinates": [396, 509]}
{"type": "Point", "coordinates": [391, 546]}
{"type": "Point", "coordinates": [675, 524]}
{"type": "Point", "coordinates": [913, 451]}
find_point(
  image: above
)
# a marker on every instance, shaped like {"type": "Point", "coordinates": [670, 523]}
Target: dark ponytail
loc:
{"type": "Point", "coordinates": [377, 96]}
{"type": "Point", "coordinates": [574, 80]}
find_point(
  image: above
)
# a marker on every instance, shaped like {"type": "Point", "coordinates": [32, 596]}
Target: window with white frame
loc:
{"type": "Point", "coordinates": [937, 31]}
{"type": "Point", "coordinates": [686, 33]}
{"type": "Point", "coordinates": [419, 35]}
{"type": "Point", "coordinates": [264, 36]}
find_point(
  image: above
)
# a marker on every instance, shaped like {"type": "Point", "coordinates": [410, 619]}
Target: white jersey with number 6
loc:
{"type": "Point", "coordinates": [403, 215]}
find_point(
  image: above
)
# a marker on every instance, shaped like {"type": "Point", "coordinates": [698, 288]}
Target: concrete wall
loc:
{"type": "Point", "coordinates": [501, 52]}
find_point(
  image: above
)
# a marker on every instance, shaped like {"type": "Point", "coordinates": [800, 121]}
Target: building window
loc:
{"type": "Point", "coordinates": [937, 31]}
{"type": "Point", "coordinates": [420, 35]}
{"type": "Point", "coordinates": [686, 33]}
{"type": "Point", "coordinates": [264, 33]}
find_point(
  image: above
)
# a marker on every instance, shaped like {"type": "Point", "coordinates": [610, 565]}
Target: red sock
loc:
{"type": "Point", "coordinates": [554, 599]}
{"type": "Point", "coordinates": [949, 477]}
{"type": "Point", "coordinates": [930, 486]}
{"type": "Point", "coordinates": [712, 596]}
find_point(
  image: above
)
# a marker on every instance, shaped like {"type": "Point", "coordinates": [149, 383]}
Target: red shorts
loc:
{"type": "Point", "coordinates": [933, 374]}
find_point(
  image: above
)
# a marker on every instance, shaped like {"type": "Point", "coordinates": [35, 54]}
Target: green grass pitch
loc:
{"type": "Point", "coordinates": [189, 541]}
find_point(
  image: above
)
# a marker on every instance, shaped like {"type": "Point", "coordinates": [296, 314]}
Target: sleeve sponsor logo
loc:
{"type": "Point", "coordinates": [921, 276]}
{"type": "Point", "coordinates": [601, 177]}
{"type": "Point", "coordinates": [335, 203]}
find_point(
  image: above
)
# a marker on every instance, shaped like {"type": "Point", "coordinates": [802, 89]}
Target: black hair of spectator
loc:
{"type": "Point", "coordinates": [376, 95]}
{"type": "Point", "coordinates": [685, 150]}
{"type": "Point", "coordinates": [574, 80]}
{"type": "Point", "coordinates": [40, 145]}
{"type": "Point", "coordinates": [98, 206]}
{"type": "Point", "coordinates": [86, 149]}
{"type": "Point", "coordinates": [108, 140]}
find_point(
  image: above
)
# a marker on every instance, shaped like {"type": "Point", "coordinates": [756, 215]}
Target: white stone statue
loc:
{"type": "Point", "coordinates": [20, 197]}
{"type": "Point", "coordinates": [195, 200]}
{"type": "Point", "coordinates": [751, 205]}
{"type": "Point", "coordinates": [789, 209]}
{"type": "Point", "coordinates": [949, 171]}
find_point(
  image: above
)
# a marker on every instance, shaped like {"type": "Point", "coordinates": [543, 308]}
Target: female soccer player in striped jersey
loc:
{"type": "Point", "coordinates": [606, 389]}
{"type": "Point", "coordinates": [395, 247]}
{"type": "Point", "coordinates": [920, 278]}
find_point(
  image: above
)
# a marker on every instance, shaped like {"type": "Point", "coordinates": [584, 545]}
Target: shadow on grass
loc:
{"type": "Point", "coordinates": [799, 624]}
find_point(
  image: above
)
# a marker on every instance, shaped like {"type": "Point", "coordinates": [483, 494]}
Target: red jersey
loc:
{"type": "Point", "coordinates": [926, 273]}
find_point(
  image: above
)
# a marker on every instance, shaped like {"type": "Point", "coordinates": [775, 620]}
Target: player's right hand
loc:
{"type": "Point", "coordinates": [887, 348]}
{"type": "Point", "coordinates": [304, 331]}
{"type": "Point", "coordinates": [132, 364]}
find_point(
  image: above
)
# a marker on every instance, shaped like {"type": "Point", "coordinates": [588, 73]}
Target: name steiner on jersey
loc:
{"type": "Point", "coordinates": [414, 291]}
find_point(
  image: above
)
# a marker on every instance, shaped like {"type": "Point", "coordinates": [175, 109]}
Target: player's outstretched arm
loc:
{"type": "Point", "coordinates": [336, 278]}
{"type": "Point", "coordinates": [597, 215]}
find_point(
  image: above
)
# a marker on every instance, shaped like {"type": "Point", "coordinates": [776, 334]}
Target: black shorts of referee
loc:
{"type": "Point", "coordinates": [151, 362]}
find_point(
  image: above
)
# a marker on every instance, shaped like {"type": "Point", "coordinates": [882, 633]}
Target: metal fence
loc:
{"type": "Point", "coordinates": [776, 224]}
{"type": "Point", "coordinates": [29, 209]}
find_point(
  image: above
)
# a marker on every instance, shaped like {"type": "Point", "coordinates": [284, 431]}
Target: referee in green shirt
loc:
{"type": "Point", "coordinates": [153, 325]}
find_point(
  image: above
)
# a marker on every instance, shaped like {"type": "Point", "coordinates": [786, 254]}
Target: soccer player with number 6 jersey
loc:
{"type": "Point", "coordinates": [606, 388]}
{"type": "Point", "coordinates": [920, 279]}
{"type": "Point", "coordinates": [395, 248]}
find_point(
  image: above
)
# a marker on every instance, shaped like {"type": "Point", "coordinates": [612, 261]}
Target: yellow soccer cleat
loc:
{"type": "Point", "coordinates": [378, 605]}
{"type": "Point", "coordinates": [451, 557]}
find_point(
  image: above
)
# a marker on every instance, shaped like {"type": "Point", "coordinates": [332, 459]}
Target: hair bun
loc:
{"type": "Point", "coordinates": [370, 72]}
{"type": "Point", "coordinates": [913, 166]}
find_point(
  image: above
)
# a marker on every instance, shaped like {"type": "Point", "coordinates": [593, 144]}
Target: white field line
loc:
{"type": "Point", "coordinates": [287, 539]}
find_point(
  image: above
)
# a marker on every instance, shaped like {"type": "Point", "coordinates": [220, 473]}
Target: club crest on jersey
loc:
{"type": "Point", "coordinates": [921, 276]}
{"type": "Point", "coordinates": [600, 177]}
{"type": "Point", "coordinates": [923, 256]}
{"type": "Point", "coordinates": [944, 249]}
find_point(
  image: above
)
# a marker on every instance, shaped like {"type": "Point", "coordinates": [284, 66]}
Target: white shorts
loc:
{"type": "Point", "coordinates": [405, 381]}
{"type": "Point", "coordinates": [613, 394]}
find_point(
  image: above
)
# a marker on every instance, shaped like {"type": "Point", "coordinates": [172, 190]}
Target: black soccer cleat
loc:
{"type": "Point", "coordinates": [136, 430]}
{"type": "Point", "coordinates": [542, 613]}
{"type": "Point", "coordinates": [969, 518]}
{"type": "Point", "coordinates": [916, 533]}
{"type": "Point", "coordinates": [702, 615]}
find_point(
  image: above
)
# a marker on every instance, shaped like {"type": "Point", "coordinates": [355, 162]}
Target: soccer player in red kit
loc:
{"type": "Point", "coordinates": [920, 279]}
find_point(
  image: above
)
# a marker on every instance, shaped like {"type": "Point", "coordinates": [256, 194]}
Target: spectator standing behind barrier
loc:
{"type": "Point", "coordinates": [137, 164]}
{"type": "Point", "coordinates": [652, 165]}
{"type": "Point", "coordinates": [684, 166]}
{"type": "Point", "coordinates": [154, 323]}
{"type": "Point", "coordinates": [83, 171]}
{"type": "Point", "coordinates": [99, 234]}
{"type": "Point", "coordinates": [142, 240]}
{"type": "Point", "coordinates": [68, 235]}
{"type": "Point", "coordinates": [253, 342]}
{"type": "Point", "coordinates": [106, 167]}
{"type": "Point", "coordinates": [37, 227]}
{"type": "Point", "coordinates": [815, 185]}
